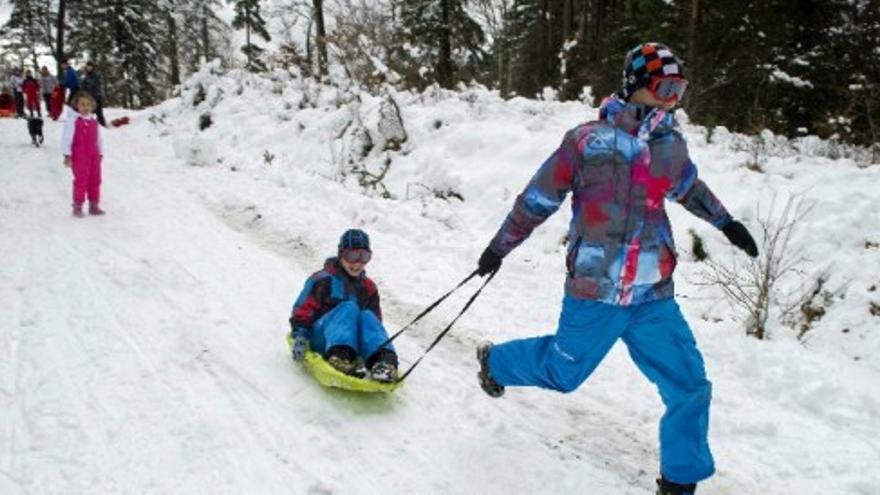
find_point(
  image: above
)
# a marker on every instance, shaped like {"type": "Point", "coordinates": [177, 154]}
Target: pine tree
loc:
{"type": "Point", "coordinates": [120, 36]}
{"type": "Point", "coordinates": [29, 28]}
{"type": "Point", "coordinates": [171, 35]}
{"type": "Point", "coordinates": [852, 38]}
{"type": "Point", "coordinates": [192, 34]}
{"type": "Point", "coordinates": [440, 36]}
{"type": "Point", "coordinates": [247, 16]}
{"type": "Point", "coordinates": [526, 72]}
{"type": "Point", "coordinates": [203, 35]}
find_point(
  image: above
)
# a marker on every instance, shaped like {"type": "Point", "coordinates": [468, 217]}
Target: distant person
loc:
{"type": "Point", "coordinates": [15, 82]}
{"type": "Point", "coordinates": [83, 148]}
{"type": "Point", "coordinates": [91, 82]}
{"type": "Point", "coordinates": [7, 103]}
{"type": "Point", "coordinates": [621, 171]}
{"type": "Point", "coordinates": [69, 79]}
{"type": "Point", "coordinates": [48, 83]}
{"type": "Point", "coordinates": [31, 89]}
{"type": "Point", "coordinates": [337, 314]}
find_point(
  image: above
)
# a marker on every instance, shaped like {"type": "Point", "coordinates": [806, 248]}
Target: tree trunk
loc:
{"type": "Point", "coordinates": [546, 43]}
{"type": "Point", "coordinates": [59, 38]}
{"type": "Point", "coordinates": [691, 61]}
{"type": "Point", "coordinates": [511, 51]}
{"type": "Point", "coordinates": [173, 58]}
{"type": "Point", "coordinates": [206, 37]}
{"type": "Point", "coordinates": [692, 34]}
{"type": "Point", "coordinates": [309, 43]}
{"type": "Point", "coordinates": [444, 65]}
{"type": "Point", "coordinates": [500, 51]}
{"type": "Point", "coordinates": [320, 37]}
{"type": "Point", "coordinates": [566, 19]}
{"type": "Point", "coordinates": [247, 34]}
{"type": "Point", "coordinates": [586, 31]}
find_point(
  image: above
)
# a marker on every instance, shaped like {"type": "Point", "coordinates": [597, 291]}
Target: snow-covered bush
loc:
{"type": "Point", "coordinates": [766, 144]}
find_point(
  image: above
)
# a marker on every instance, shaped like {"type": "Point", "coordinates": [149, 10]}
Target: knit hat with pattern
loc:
{"type": "Point", "coordinates": [644, 61]}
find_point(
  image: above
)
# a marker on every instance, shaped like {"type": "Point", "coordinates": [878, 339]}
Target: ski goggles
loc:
{"type": "Point", "coordinates": [667, 89]}
{"type": "Point", "coordinates": [356, 255]}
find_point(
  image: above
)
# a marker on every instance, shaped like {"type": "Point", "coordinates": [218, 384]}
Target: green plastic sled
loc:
{"type": "Point", "coordinates": [329, 376]}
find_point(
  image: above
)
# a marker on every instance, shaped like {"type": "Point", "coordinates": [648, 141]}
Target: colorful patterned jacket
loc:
{"type": "Point", "coordinates": [327, 288]}
{"type": "Point", "coordinates": [620, 169]}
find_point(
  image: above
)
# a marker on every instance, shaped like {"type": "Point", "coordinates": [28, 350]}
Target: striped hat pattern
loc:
{"type": "Point", "coordinates": [644, 61]}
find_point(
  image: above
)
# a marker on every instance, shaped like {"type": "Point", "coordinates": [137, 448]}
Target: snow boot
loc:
{"type": "Point", "coordinates": [489, 385]}
{"type": "Point", "coordinates": [383, 366]}
{"type": "Point", "coordinates": [666, 487]}
{"type": "Point", "coordinates": [342, 357]}
{"type": "Point", "coordinates": [94, 209]}
{"type": "Point", "coordinates": [78, 210]}
{"type": "Point", "coordinates": [384, 372]}
{"type": "Point", "coordinates": [358, 370]}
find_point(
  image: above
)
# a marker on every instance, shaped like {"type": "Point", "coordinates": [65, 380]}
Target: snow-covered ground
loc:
{"type": "Point", "coordinates": [143, 351]}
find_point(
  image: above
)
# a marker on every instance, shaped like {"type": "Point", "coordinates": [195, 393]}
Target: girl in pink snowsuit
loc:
{"type": "Point", "coordinates": [83, 148]}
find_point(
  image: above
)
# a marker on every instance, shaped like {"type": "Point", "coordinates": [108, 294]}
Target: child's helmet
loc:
{"type": "Point", "coordinates": [354, 239]}
{"type": "Point", "coordinates": [644, 61]}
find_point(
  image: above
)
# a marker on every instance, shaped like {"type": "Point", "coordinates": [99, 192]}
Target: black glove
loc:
{"type": "Point", "coordinates": [489, 262]}
{"type": "Point", "coordinates": [739, 236]}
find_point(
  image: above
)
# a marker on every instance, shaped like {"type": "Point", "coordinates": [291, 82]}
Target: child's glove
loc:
{"type": "Point", "coordinates": [739, 236]}
{"type": "Point", "coordinates": [300, 339]}
{"type": "Point", "coordinates": [489, 262]}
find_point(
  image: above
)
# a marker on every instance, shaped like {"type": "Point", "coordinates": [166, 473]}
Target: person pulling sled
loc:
{"type": "Point", "coordinates": [620, 170]}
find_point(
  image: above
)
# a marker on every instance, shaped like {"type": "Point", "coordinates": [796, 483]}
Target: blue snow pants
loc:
{"type": "Point", "coordinates": [347, 324]}
{"type": "Point", "coordinates": [662, 346]}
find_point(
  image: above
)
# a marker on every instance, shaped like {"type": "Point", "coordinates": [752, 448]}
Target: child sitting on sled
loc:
{"type": "Point", "coordinates": [338, 315]}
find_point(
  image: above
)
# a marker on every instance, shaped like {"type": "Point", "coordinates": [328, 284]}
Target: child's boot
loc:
{"type": "Point", "coordinates": [359, 369]}
{"type": "Point", "coordinates": [341, 357]}
{"type": "Point", "coordinates": [78, 210]}
{"type": "Point", "coordinates": [94, 209]}
{"type": "Point", "coordinates": [489, 385]}
{"type": "Point", "coordinates": [384, 367]}
{"type": "Point", "coordinates": [666, 487]}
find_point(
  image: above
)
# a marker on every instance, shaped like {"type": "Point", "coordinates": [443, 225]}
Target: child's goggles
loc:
{"type": "Point", "coordinates": [356, 255]}
{"type": "Point", "coordinates": [667, 89]}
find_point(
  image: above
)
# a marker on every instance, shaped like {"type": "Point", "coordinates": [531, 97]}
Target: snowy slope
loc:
{"type": "Point", "coordinates": [143, 351]}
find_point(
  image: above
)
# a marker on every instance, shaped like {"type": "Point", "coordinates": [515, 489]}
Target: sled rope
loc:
{"type": "Point", "coordinates": [448, 327]}
{"type": "Point", "coordinates": [429, 309]}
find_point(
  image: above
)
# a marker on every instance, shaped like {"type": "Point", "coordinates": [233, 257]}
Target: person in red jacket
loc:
{"type": "Point", "coordinates": [31, 89]}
